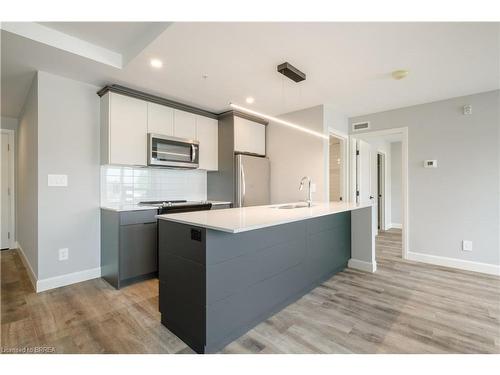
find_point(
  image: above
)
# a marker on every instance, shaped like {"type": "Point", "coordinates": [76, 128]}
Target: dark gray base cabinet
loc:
{"type": "Point", "coordinates": [215, 286]}
{"type": "Point", "coordinates": [129, 250]}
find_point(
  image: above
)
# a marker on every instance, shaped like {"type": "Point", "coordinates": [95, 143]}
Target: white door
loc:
{"type": "Point", "coordinates": [364, 184]}
{"type": "Point", "coordinates": [5, 190]}
{"type": "Point", "coordinates": [363, 172]}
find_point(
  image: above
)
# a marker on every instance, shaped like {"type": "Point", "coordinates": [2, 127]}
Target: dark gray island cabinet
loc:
{"type": "Point", "coordinates": [217, 282]}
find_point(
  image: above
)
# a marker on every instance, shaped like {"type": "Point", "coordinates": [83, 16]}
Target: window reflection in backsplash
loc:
{"type": "Point", "coordinates": [128, 185]}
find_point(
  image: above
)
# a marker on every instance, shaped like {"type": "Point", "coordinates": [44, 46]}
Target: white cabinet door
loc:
{"type": "Point", "coordinates": [184, 124]}
{"type": "Point", "coordinates": [160, 119]}
{"type": "Point", "coordinates": [207, 130]}
{"type": "Point", "coordinates": [249, 136]}
{"type": "Point", "coordinates": [128, 127]}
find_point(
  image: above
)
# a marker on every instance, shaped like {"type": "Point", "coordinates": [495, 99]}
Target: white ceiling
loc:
{"type": "Point", "coordinates": [348, 65]}
{"type": "Point", "coordinates": [114, 36]}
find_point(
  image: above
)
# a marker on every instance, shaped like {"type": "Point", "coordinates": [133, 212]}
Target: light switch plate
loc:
{"type": "Point", "coordinates": [313, 188]}
{"type": "Point", "coordinates": [466, 245]}
{"type": "Point", "coordinates": [57, 180]}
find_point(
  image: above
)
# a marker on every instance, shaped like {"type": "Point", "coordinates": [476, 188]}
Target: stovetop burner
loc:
{"type": "Point", "coordinates": [154, 203]}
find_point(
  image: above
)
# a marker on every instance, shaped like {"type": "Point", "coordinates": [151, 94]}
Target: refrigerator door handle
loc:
{"type": "Point", "coordinates": [243, 187]}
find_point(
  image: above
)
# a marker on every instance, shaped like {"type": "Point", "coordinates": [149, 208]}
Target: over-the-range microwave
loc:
{"type": "Point", "coordinates": [173, 152]}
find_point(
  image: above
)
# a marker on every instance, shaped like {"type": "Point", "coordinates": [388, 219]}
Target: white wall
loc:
{"type": "Point", "coordinates": [294, 154]}
{"type": "Point", "coordinates": [336, 120]}
{"type": "Point", "coordinates": [459, 199]}
{"type": "Point", "coordinates": [68, 143]}
{"type": "Point", "coordinates": [27, 179]}
{"type": "Point", "coordinates": [10, 123]}
{"type": "Point", "coordinates": [396, 183]}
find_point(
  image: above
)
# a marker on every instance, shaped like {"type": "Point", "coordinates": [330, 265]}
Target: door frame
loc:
{"type": "Point", "coordinates": [404, 174]}
{"type": "Point", "coordinates": [12, 227]}
{"type": "Point", "coordinates": [344, 141]}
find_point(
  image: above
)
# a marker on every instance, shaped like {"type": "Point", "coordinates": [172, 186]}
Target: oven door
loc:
{"type": "Point", "coordinates": [172, 152]}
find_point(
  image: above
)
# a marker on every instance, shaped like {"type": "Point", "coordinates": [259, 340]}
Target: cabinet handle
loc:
{"type": "Point", "coordinates": [193, 153]}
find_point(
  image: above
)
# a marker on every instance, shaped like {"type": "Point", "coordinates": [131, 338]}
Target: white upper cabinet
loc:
{"type": "Point", "coordinates": [160, 119]}
{"type": "Point", "coordinates": [184, 124]}
{"type": "Point", "coordinates": [126, 122]}
{"type": "Point", "coordinates": [207, 130]}
{"type": "Point", "coordinates": [249, 136]}
{"type": "Point", "coordinates": [124, 127]}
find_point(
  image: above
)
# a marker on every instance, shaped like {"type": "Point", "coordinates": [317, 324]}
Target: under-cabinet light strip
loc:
{"type": "Point", "coordinates": [279, 121]}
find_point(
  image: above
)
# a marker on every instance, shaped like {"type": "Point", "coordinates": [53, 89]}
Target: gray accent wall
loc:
{"type": "Point", "coordinates": [68, 143]}
{"type": "Point", "coordinates": [459, 199]}
{"type": "Point", "coordinates": [27, 181]}
{"type": "Point", "coordinates": [396, 197]}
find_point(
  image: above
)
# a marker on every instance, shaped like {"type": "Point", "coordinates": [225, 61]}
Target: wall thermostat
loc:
{"type": "Point", "coordinates": [430, 163]}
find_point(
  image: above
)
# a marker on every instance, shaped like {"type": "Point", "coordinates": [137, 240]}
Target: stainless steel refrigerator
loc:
{"type": "Point", "coordinates": [252, 180]}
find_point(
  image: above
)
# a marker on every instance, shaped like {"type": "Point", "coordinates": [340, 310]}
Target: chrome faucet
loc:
{"type": "Point", "coordinates": [309, 193]}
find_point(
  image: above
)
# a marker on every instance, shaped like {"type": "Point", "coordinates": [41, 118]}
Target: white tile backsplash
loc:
{"type": "Point", "coordinates": [128, 185]}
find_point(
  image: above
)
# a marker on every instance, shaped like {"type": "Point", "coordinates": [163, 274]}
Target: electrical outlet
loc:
{"type": "Point", "coordinates": [466, 245]}
{"type": "Point", "coordinates": [64, 254]}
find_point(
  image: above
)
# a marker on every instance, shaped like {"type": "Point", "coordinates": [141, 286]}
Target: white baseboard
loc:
{"type": "Point", "coordinates": [467, 265]}
{"type": "Point", "coordinates": [70, 278]}
{"type": "Point", "coordinates": [27, 265]}
{"type": "Point", "coordinates": [396, 226]}
{"type": "Point", "coordinates": [362, 265]}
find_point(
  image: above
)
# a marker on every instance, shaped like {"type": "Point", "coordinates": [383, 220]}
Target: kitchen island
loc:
{"type": "Point", "coordinates": [223, 272]}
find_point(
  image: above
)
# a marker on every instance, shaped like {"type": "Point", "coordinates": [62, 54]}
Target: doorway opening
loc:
{"type": "Point", "coordinates": [381, 177]}
{"type": "Point", "coordinates": [336, 172]}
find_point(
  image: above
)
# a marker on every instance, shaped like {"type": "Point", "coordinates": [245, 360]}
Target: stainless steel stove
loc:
{"type": "Point", "coordinates": [176, 206]}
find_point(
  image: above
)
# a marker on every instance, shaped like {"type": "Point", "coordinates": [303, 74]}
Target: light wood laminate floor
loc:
{"type": "Point", "coordinates": [405, 307]}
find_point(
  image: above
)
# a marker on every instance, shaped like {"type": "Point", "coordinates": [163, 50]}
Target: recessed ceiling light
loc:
{"type": "Point", "coordinates": [250, 100]}
{"type": "Point", "coordinates": [400, 74]}
{"type": "Point", "coordinates": [156, 63]}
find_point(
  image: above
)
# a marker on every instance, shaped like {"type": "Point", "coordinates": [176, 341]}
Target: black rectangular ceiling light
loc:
{"type": "Point", "coordinates": [291, 72]}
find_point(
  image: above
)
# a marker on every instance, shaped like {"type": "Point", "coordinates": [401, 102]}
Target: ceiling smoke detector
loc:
{"type": "Point", "coordinates": [291, 72]}
{"type": "Point", "coordinates": [399, 74]}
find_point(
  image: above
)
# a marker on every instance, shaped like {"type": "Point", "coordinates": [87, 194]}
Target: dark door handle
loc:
{"type": "Point", "coordinates": [371, 196]}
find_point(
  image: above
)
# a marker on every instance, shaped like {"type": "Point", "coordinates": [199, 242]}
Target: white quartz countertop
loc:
{"type": "Point", "coordinates": [138, 207]}
{"type": "Point", "coordinates": [236, 220]}
{"type": "Point", "coordinates": [127, 207]}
